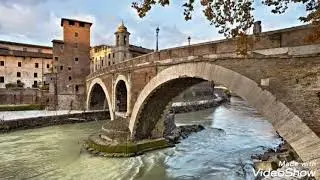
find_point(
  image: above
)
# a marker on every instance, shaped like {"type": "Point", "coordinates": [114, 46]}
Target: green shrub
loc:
{"type": "Point", "coordinates": [45, 87]}
{"type": "Point", "coordinates": [14, 85]}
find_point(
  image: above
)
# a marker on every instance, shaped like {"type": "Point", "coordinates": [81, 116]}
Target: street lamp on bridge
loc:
{"type": "Point", "coordinates": [157, 34]}
{"type": "Point", "coordinates": [189, 40]}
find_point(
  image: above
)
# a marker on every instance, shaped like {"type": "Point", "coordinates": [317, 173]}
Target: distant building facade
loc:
{"type": "Point", "coordinates": [24, 64]}
{"type": "Point", "coordinates": [101, 56]}
{"type": "Point", "coordinates": [105, 55]}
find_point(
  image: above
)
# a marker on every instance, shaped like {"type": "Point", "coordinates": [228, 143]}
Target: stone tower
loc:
{"type": "Point", "coordinates": [72, 64]}
{"type": "Point", "coordinates": [122, 43]}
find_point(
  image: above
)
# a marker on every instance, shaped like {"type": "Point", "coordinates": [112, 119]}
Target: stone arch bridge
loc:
{"type": "Point", "coordinates": [280, 77]}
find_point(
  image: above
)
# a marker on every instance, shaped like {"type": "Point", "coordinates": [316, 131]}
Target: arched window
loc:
{"type": "Point", "coordinates": [117, 43]}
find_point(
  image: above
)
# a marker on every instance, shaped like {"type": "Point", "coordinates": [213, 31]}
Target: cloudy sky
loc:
{"type": "Point", "coordinates": [38, 21]}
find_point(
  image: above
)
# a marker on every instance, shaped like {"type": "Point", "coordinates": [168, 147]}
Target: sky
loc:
{"type": "Point", "coordinates": [38, 21]}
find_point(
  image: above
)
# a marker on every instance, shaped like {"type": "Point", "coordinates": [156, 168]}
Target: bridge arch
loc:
{"type": "Point", "coordinates": [97, 86]}
{"type": "Point", "coordinates": [168, 83]}
{"type": "Point", "coordinates": [122, 96]}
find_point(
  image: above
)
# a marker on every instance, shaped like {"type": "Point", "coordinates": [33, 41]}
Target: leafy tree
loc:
{"type": "Point", "coordinates": [234, 17]}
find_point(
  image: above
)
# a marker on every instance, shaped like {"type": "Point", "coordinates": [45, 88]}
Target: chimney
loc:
{"type": "Point", "coordinates": [257, 27]}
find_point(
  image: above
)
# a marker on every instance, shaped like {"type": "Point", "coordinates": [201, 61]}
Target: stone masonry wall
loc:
{"type": "Point", "coordinates": [36, 122]}
{"type": "Point", "coordinates": [23, 96]}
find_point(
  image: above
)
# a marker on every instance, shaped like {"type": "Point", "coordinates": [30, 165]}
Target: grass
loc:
{"type": "Point", "coordinates": [21, 107]}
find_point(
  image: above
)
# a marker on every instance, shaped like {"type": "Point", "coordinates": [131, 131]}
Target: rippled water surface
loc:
{"type": "Point", "coordinates": [54, 152]}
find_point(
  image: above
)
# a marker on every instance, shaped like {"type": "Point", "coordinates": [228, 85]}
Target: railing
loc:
{"type": "Point", "coordinates": [266, 40]}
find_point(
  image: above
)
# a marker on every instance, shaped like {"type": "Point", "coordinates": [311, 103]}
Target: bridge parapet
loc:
{"type": "Point", "coordinates": [290, 37]}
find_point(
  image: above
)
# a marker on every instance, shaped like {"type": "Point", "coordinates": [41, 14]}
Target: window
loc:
{"type": "Point", "coordinates": [109, 56]}
{"type": "Point", "coordinates": [36, 65]}
{"type": "Point", "coordinates": [81, 24]}
{"type": "Point", "coordinates": [18, 74]}
{"type": "Point", "coordinates": [35, 75]}
{"type": "Point", "coordinates": [25, 49]}
{"type": "Point", "coordinates": [1, 63]}
{"type": "Point", "coordinates": [109, 63]}
{"type": "Point", "coordinates": [77, 88]}
{"type": "Point", "coordinates": [61, 68]}
{"type": "Point", "coordinates": [70, 78]}
{"type": "Point", "coordinates": [18, 81]}
{"type": "Point", "coordinates": [113, 55]}
{"type": "Point", "coordinates": [76, 34]}
{"type": "Point", "coordinates": [69, 68]}
{"type": "Point", "coordinates": [117, 39]}
{"type": "Point", "coordinates": [76, 59]}
{"type": "Point", "coordinates": [35, 84]}
{"type": "Point", "coordinates": [56, 58]}
{"type": "Point", "coordinates": [76, 45]}
{"type": "Point", "coordinates": [19, 64]}
{"type": "Point", "coordinates": [125, 40]}
{"type": "Point", "coordinates": [71, 23]}
{"type": "Point", "coordinates": [48, 66]}
{"type": "Point", "coordinates": [1, 79]}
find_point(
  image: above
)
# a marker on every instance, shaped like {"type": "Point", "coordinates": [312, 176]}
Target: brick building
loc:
{"type": "Point", "coordinates": [71, 59]}
{"type": "Point", "coordinates": [24, 64]}
{"type": "Point", "coordinates": [106, 55]}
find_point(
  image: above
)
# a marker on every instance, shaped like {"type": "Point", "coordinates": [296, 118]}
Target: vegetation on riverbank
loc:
{"type": "Point", "coordinates": [21, 107]}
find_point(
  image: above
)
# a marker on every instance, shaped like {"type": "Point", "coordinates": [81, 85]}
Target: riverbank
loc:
{"type": "Point", "coordinates": [192, 106]}
{"type": "Point", "coordinates": [43, 121]}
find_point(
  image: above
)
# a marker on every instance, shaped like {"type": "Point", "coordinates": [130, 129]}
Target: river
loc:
{"type": "Point", "coordinates": [54, 152]}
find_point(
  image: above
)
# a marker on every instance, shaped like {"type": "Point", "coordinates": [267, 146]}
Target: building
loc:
{"type": "Point", "coordinates": [100, 57]}
{"type": "Point", "coordinates": [24, 64]}
{"type": "Point", "coordinates": [105, 55]}
{"type": "Point", "coordinates": [71, 60]}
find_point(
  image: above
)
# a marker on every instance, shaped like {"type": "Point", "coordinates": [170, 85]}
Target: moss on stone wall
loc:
{"type": "Point", "coordinates": [22, 107]}
{"type": "Point", "coordinates": [123, 149]}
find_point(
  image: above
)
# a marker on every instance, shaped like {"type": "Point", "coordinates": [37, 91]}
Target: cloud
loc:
{"type": "Point", "coordinates": [38, 21]}
{"type": "Point", "coordinates": [27, 23]}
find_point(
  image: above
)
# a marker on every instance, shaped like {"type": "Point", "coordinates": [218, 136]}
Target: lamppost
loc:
{"type": "Point", "coordinates": [157, 45]}
{"type": "Point", "coordinates": [189, 39]}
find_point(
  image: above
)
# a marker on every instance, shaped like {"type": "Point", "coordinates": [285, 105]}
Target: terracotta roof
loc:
{"type": "Point", "coordinates": [24, 44]}
{"type": "Point", "coordinates": [6, 52]}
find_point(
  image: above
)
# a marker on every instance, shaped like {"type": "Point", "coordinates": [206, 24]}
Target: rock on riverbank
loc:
{"type": "Point", "coordinates": [273, 161]}
{"type": "Point", "coordinates": [182, 132]}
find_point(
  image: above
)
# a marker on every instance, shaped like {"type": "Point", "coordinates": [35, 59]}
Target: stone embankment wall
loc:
{"type": "Point", "coordinates": [185, 107]}
{"type": "Point", "coordinates": [36, 122]}
{"type": "Point", "coordinates": [213, 98]}
{"type": "Point", "coordinates": [23, 96]}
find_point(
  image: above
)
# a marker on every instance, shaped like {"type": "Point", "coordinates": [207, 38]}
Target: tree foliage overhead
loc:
{"type": "Point", "coordinates": [234, 17]}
